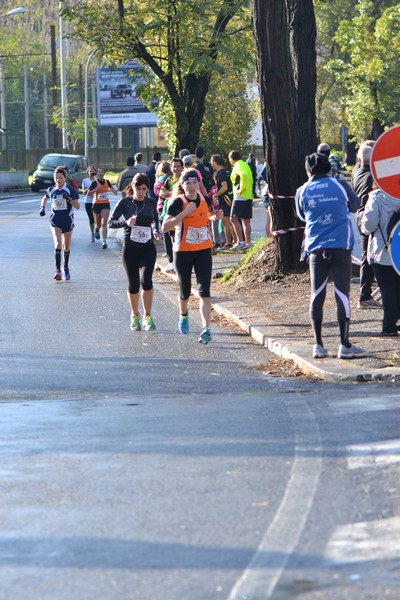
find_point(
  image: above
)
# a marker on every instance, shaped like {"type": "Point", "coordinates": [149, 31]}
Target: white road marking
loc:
{"type": "Point", "coordinates": [365, 541]}
{"type": "Point", "coordinates": [365, 404]}
{"type": "Point", "coordinates": [378, 454]}
{"type": "Point", "coordinates": [387, 167]}
{"type": "Point", "coordinates": [261, 576]}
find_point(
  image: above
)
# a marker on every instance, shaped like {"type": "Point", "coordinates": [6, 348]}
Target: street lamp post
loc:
{"type": "Point", "coordinates": [10, 13]}
{"type": "Point", "coordinates": [87, 105]}
{"type": "Point", "coordinates": [63, 75]}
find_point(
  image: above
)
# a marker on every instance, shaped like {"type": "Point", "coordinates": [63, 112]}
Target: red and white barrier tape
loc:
{"type": "Point", "coordinates": [274, 196]}
{"type": "Point", "coordinates": [282, 231]}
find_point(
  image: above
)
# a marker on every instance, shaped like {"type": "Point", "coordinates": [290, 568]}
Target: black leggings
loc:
{"type": "Point", "coordinates": [201, 261]}
{"type": "Point", "coordinates": [389, 285]}
{"type": "Point", "coordinates": [336, 262]}
{"type": "Point", "coordinates": [139, 264]}
{"type": "Point", "coordinates": [89, 212]}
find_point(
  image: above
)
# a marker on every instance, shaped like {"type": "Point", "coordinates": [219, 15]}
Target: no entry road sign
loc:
{"type": "Point", "coordinates": [385, 162]}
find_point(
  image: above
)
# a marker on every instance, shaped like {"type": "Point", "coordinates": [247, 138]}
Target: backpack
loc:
{"type": "Point", "coordinates": [394, 219]}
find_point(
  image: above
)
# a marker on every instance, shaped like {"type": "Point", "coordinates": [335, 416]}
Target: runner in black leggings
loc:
{"type": "Point", "coordinates": [137, 213]}
{"type": "Point", "coordinates": [324, 204]}
{"type": "Point", "coordinates": [189, 214]}
{"type": "Point", "coordinates": [335, 262]}
{"type": "Point", "coordinates": [86, 183]}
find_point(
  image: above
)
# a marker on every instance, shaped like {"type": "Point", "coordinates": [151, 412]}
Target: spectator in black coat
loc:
{"type": "Point", "coordinates": [151, 174]}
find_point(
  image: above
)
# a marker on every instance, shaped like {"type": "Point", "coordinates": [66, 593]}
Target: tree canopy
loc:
{"type": "Point", "coordinates": [182, 48]}
{"type": "Point", "coordinates": [359, 78]}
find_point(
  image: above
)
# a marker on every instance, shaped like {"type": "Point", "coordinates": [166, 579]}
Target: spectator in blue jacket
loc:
{"type": "Point", "coordinates": [324, 204]}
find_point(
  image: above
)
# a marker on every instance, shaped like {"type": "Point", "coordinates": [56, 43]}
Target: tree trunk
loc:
{"type": "Point", "coordinates": [190, 112]}
{"type": "Point", "coordinates": [285, 41]}
{"type": "Point", "coordinates": [377, 129]}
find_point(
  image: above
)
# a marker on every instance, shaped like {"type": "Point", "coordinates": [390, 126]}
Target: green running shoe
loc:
{"type": "Point", "coordinates": [148, 323]}
{"type": "Point", "coordinates": [135, 323]}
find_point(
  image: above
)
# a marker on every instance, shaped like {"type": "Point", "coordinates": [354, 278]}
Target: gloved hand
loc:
{"type": "Point", "coordinates": [42, 211]}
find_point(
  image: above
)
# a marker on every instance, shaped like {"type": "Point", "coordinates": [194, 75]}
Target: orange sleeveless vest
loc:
{"type": "Point", "coordinates": [193, 233]}
{"type": "Point", "coordinates": [100, 196]}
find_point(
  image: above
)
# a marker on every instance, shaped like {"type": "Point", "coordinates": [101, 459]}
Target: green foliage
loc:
{"type": "Point", "coordinates": [330, 111]}
{"type": "Point", "coordinates": [363, 67]}
{"type": "Point", "coordinates": [74, 125]}
{"type": "Point", "coordinates": [182, 46]}
{"type": "Point", "coordinates": [229, 116]}
{"type": "Point", "coordinates": [246, 261]}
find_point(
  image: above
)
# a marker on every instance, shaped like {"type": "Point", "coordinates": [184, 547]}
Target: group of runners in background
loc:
{"type": "Point", "coordinates": [182, 202]}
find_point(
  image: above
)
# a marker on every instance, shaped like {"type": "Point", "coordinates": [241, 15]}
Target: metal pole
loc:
{"type": "Point", "coordinates": [45, 112]}
{"type": "Point", "coordinates": [14, 11]}
{"type": "Point", "coordinates": [87, 105]}
{"type": "Point", "coordinates": [54, 81]}
{"type": "Point", "coordinates": [26, 102]}
{"type": "Point", "coordinates": [94, 114]}
{"type": "Point", "coordinates": [3, 106]}
{"type": "Point", "coordinates": [64, 99]}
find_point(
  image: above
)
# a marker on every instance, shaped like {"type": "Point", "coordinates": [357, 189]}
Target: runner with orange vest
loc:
{"type": "Point", "coordinates": [101, 204]}
{"type": "Point", "coordinates": [189, 214]}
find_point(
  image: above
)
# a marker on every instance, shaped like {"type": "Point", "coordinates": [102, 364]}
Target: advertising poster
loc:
{"type": "Point", "coordinates": [117, 102]}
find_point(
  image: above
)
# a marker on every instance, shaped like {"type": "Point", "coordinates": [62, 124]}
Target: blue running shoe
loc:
{"type": "Point", "coordinates": [97, 233]}
{"type": "Point", "coordinates": [67, 275]}
{"type": "Point", "coordinates": [184, 323]}
{"type": "Point", "coordinates": [205, 336]}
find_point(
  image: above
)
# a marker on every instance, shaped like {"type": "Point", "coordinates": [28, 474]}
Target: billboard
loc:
{"type": "Point", "coordinates": [116, 98]}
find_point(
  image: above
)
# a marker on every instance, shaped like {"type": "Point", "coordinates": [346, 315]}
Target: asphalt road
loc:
{"type": "Point", "coordinates": [146, 466]}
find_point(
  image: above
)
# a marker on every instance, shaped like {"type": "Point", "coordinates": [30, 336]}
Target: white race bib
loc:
{"type": "Point", "coordinates": [141, 234]}
{"type": "Point", "coordinates": [102, 197]}
{"type": "Point", "coordinates": [196, 235]}
{"type": "Point", "coordinates": [59, 203]}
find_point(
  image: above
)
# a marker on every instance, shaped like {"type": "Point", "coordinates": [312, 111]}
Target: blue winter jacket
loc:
{"type": "Point", "coordinates": [325, 203]}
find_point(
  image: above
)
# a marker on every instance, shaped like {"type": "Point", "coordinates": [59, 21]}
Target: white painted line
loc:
{"type": "Point", "coordinates": [387, 167]}
{"type": "Point", "coordinates": [262, 574]}
{"type": "Point", "coordinates": [379, 454]}
{"type": "Point", "coordinates": [365, 541]}
{"type": "Point", "coordinates": [365, 405]}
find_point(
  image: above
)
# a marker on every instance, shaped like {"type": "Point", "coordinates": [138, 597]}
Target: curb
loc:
{"type": "Point", "coordinates": [329, 369]}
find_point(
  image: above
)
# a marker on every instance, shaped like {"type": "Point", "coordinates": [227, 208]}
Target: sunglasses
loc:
{"type": "Point", "coordinates": [93, 173]}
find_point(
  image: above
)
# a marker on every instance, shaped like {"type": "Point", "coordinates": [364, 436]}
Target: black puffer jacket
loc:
{"type": "Point", "coordinates": [362, 184]}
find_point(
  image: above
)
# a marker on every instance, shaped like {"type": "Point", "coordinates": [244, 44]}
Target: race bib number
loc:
{"type": "Point", "coordinates": [141, 234]}
{"type": "Point", "coordinates": [196, 235]}
{"type": "Point", "coordinates": [59, 203]}
{"type": "Point", "coordinates": [102, 197]}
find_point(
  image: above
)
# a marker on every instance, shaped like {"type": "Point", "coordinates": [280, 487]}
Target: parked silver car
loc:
{"type": "Point", "coordinates": [43, 176]}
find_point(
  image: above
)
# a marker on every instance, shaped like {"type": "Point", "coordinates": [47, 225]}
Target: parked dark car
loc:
{"type": "Point", "coordinates": [43, 177]}
{"type": "Point", "coordinates": [121, 90]}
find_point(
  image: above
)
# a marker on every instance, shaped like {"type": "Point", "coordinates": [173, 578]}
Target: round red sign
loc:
{"type": "Point", "coordinates": [385, 162]}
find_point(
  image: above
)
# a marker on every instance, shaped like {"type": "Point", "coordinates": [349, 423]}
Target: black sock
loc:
{"type": "Point", "coordinates": [66, 259]}
{"type": "Point", "coordinates": [57, 255]}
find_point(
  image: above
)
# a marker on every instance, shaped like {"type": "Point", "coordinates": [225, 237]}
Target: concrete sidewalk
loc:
{"type": "Point", "coordinates": [294, 342]}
